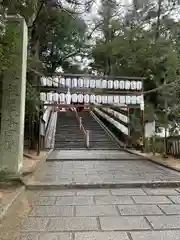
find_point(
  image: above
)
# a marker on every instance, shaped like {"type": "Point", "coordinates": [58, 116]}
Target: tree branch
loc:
{"type": "Point", "coordinates": [37, 15]}
{"type": "Point", "coordinates": [158, 19]}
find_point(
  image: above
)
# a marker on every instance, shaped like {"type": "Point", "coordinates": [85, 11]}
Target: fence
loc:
{"type": "Point", "coordinates": [173, 146]}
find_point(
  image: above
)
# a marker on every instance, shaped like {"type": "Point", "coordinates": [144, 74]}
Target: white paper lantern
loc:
{"type": "Point", "coordinates": [74, 82]}
{"type": "Point", "coordinates": [43, 81]}
{"type": "Point", "coordinates": [92, 83]}
{"type": "Point", "coordinates": [104, 83]}
{"type": "Point", "coordinates": [68, 97]}
{"type": "Point", "coordinates": [122, 117]}
{"type": "Point", "coordinates": [49, 97]}
{"type": "Point", "coordinates": [42, 96]}
{"type": "Point", "coordinates": [80, 83]}
{"type": "Point", "coordinates": [118, 125]}
{"type": "Point", "coordinates": [55, 97]}
{"type": "Point", "coordinates": [121, 84]}
{"type": "Point", "coordinates": [139, 85]}
{"type": "Point", "coordinates": [62, 81]}
{"type": "Point", "coordinates": [110, 99]}
{"type": "Point", "coordinates": [133, 99]}
{"type": "Point", "coordinates": [86, 82]}
{"type": "Point", "coordinates": [49, 82]}
{"type": "Point", "coordinates": [122, 99]}
{"type": "Point", "coordinates": [68, 82]}
{"type": "Point", "coordinates": [116, 84]}
{"type": "Point", "coordinates": [92, 98]}
{"type": "Point", "coordinates": [127, 85]}
{"type": "Point", "coordinates": [62, 98]}
{"type": "Point", "coordinates": [74, 98]}
{"type": "Point", "coordinates": [98, 83]}
{"type": "Point", "coordinates": [128, 99]}
{"type": "Point", "coordinates": [98, 99]}
{"type": "Point", "coordinates": [110, 84]}
{"type": "Point", "coordinates": [55, 81]}
{"type": "Point", "coordinates": [140, 99]}
{"type": "Point", "coordinates": [116, 100]}
{"type": "Point", "coordinates": [80, 98]}
{"type": "Point", "coordinates": [104, 99]}
{"type": "Point", "coordinates": [86, 98]}
{"type": "Point", "coordinates": [133, 85]}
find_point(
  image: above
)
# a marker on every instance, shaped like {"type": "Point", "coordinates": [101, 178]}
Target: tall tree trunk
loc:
{"type": "Point", "coordinates": [158, 19]}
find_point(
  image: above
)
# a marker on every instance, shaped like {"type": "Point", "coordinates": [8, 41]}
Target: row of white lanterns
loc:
{"type": "Point", "coordinates": [116, 114]}
{"type": "Point", "coordinates": [96, 99]}
{"type": "Point", "coordinates": [91, 83]}
{"type": "Point", "coordinates": [117, 124]}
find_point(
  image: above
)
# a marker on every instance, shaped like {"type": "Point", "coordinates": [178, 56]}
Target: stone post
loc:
{"type": "Point", "coordinates": [13, 99]}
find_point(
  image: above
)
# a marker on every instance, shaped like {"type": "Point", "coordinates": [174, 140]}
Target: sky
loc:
{"type": "Point", "coordinates": [96, 6]}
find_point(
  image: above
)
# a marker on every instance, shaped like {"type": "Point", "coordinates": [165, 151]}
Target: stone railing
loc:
{"type": "Point", "coordinates": [50, 130]}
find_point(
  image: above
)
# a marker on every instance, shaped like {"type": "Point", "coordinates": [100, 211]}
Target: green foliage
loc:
{"type": "Point", "coordinates": [62, 37]}
{"type": "Point", "coordinates": [144, 42]}
{"type": "Point", "coordinates": [56, 35]}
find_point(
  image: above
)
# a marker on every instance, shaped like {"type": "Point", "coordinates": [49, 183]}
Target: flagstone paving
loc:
{"type": "Point", "coordinates": [99, 173]}
{"type": "Point", "coordinates": [95, 214]}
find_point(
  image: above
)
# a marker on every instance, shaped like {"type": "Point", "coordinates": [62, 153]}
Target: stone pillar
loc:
{"type": "Point", "coordinates": [13, 100]}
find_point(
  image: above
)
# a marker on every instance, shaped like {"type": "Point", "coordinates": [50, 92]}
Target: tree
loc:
{"type": "Point", "coordinates": [107, 12]}
{"type": "Point", "coordinates": [62, 38]}
{"type": "Point", "coordinates": [56, 34]}
{"type": "Point", "coordinates": [145, 42]}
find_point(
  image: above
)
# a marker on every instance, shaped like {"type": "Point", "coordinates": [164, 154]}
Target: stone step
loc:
{"type": "Point", "coordinates": [75, 133]}
{"type": "Point", "coordinates": [68, 140]}
{"type": "Point", "coordinates": [68, 134]}
{"type": "Point", "coordinates": [70, 144]}
{"type": "Point", "coordinates": [58, 185]}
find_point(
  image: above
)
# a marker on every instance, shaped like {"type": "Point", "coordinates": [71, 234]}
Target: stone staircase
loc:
{"type": "Point", "coordinates": [68, 134]}
{"type": "Point", "coordinates": [99, 139]}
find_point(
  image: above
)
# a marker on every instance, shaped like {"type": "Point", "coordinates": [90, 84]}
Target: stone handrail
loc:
{"type": "Point", "coordinates": [50, 130]}
{"type": "Point", "coordinates": [82, 128]}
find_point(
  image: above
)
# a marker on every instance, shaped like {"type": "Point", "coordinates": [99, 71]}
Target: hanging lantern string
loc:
{"type": "Point", "coordinates": [135, 93]}
{"type": "Point", "coordinates": [92, 83]}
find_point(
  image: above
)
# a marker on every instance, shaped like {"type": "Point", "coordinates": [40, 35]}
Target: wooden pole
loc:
{"type": "Point", "coordinates": [166, 123]}
{"type": "Point", "coordinates": [129, 135]}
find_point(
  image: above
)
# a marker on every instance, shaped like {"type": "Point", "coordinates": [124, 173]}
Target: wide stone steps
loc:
{"type": "Point", "coordinates": [99, 139]}
{"type": "Point", "coordinates": [69, 136]}
{"type": "Point", "coordinates": [69, 145]}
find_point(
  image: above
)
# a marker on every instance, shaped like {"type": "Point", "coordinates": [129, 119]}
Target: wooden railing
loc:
{"type": "Point", "coordinates": [82, 128]}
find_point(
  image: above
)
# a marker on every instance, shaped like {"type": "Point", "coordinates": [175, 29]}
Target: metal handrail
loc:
{"type": "Point", "coordinates": [82, 128]}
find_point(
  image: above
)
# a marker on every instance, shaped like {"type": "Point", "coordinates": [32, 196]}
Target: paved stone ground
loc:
{"type": "Point", "coordinates": [98, 214]}
{"type": "Point", "coordinates": [63, 155]}
{"type": "Point", "coordinates": [102, 173]}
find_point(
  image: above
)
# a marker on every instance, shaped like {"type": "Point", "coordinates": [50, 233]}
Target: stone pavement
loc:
{"type": "Point", "coordinates": [170, 161]}
{"type": "Point", "coordinates": [103, 173]}
{"type": "Point", "coordinates": [64, 155]}
{"type": "Point", "coordinates": [101, 210]}
{"type": "Point", "coordinates": [97, 214]}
